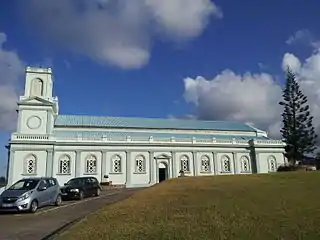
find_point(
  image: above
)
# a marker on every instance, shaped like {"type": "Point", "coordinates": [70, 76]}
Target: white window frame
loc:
{"type": "Point", "coordinates": [89, 158]}
{"type": "Point", "coordinates": [183, 159]}
{"type": "Point", "coordinates": [205, 158]}
{"type": "Point", "coordinates": [26, 164]}
{"type": "Point", "coordinates": [138, 165]}
{"type": "Point", "coordinates": [244, 159]}
{"type": "Point", "coordinates": [271, 159]}
{"type": "Point", "coordinates": [224, 159]}
{"type": "Point", "coordinates": [114, 158]}
{"type": "Point", "coordinates": [67, 158]}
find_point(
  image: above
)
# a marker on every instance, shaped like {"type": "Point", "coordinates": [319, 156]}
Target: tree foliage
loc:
{"type": "Point", "coordinates": [297, 131]}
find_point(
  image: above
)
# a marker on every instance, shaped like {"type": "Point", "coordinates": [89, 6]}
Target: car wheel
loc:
{"type": "Point", "coordinates": [81, 195]}
{"type": "Point", "coordinates": [97, 192]}
{"type": "Point", "coordinates": [34, 206]}
{"type": "Point", "coordinates": [58, 201]}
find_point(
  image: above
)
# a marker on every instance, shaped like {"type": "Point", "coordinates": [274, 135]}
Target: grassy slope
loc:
{"type": "Point", "coordinates": [271, 206]}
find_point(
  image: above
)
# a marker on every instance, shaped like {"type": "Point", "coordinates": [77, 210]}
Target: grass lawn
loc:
{"type": "Point", "coordinates": [268, 206]}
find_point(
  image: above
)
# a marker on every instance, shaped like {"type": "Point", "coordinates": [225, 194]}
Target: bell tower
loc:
{"type": "Point", "coordinates": [38, 83]}
{"type": "Point", "coordinates": [37, 108]}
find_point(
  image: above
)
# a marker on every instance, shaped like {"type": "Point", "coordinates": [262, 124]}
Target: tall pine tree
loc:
{"type": "Point", "coordinates": [297, 131]}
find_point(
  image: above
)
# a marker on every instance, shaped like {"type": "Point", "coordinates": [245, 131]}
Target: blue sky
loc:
{"type": "Point", "coordinates": [250, 37]}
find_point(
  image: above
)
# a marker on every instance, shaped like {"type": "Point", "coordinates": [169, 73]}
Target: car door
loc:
{"type": "Point", "coordinates": [53, 190]}
{"type": "Point", "coordinates": [88, 186]}
{"type": "Point", "coordinates": [43, 190]}
{"type": "Point", "coordinates": [95, 183]}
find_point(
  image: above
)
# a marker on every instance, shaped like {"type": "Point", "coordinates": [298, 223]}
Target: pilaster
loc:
{"type": "Point", "coordinates": [49, 163]}
{"type": "Point", "coordinates": [257, 162]}
{"type": "Point", "coordinates": [215, 163]}
{"type": "Point", "coordinates": [174, 164]}
{"type": "Point", "coordinates": [235, 163]}
{"type": "Point", "coordinates": [103, 164]}
{"type": "Point", "coordinates": [128, 168]}
{"type": "Point", "coordinates": [194, 163]}
{"type": "Point", "coordinates": [152, 167]}
{"type": "Point", "coordinates": [78, 164]}
{"type": "Point", "coordinates": [10, 167]}
{"type": "Point", "coordinates": [48, 123]}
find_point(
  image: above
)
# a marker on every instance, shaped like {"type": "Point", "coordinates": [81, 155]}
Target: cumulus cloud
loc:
{"type": "Point", "coordinates": [253, 98]}
{"type": "Point", "coordinates": [118, 32]}
{"type": "Point", "coordinates": [250, 98]}
{"type": "Point", "coordinates": [11, 70]}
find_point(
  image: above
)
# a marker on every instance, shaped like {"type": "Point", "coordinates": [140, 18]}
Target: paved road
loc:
{"type": "Point", "coordinates": [47, 220]}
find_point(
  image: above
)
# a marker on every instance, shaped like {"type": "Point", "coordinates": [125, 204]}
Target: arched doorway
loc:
{"type": "Point", "coordinates": [162, 171]}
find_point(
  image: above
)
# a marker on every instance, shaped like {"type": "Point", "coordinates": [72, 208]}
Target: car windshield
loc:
{"type": "Point", "coordinates": [76, 181]}
{"type": "Point", "coordinates": [24, 184]}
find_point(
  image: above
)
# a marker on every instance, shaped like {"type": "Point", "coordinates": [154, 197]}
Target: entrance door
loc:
{"type": "Point", "coordinates": [163, 172]}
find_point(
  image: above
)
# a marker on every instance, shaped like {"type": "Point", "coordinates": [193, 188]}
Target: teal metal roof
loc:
{"type": "Point", "coordinates": [148, 123]}
{"type": "Point", "coordinates": [146, 135]}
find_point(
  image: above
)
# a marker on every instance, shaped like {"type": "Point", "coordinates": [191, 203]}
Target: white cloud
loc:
{"type": "Point", "coordinates": [291, 61]}
{"type": "Point", "coordinates": [304, 37]}
{"type": "Point", "coordinates": [118, 32]}
{"type": "Point", "coordinates": [253, 98]}
{"type": "Point", "coordinates": [11, 69]}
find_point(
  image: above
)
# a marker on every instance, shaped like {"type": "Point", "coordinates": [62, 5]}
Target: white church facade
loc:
{"type": "Point", "coordinates": [134, 152]}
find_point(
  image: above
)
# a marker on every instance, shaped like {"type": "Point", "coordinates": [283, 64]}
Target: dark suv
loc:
{"type": "Point", "coordinates": [80, 187]}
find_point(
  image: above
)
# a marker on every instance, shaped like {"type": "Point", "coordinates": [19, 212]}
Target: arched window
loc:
{"type": "Point", "coordinates": [272, 164]}
{"type": "Point", "coordinates": [140, 164]}
{"type": "Point", "coordinates": [226, 163]}
{"type": "Point", "coordinates": [65, 165]}
{"type": "Point", "coordinates": [185, 166]}
{"type": "Point", "coordinates": [30, 164]}
{"type": "Point", "coordinates": [91, 164]}
{"type": "Point", "coordinates": [205, 163]}
{"type": "Point", "coordinates": [245, 166]}
{"type": "Point", "coordinates": [36, 87]}
{"type": "Point", "coordinates": [116, 164]}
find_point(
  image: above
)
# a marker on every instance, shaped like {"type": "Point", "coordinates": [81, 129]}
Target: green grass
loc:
{"type": "Point", "coordinates": [269, 206]}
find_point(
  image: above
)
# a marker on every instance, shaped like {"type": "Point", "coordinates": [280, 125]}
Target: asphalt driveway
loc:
{"type": "Point", "coordinates": [48, 220]}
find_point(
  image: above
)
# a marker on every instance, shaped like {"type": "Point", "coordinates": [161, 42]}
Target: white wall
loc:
{"type": "Point", "coordinates": [19, 167]}
{"type": "Point", "coordinates": [263, 164]}
{"type": "Point", "coordinates": [128, 175]}
{"type": "Point", "coordinates": [63, 178]}
{"type": "Point", "coordinates": [116, 178]}
{"type": "Point", "coordinates": [32, 116]}
{"type": "Point", "coordinates": [143, 177]}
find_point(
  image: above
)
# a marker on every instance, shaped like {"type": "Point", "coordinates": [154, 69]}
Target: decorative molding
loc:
{"type": "Point", "coordinates": [155, 142]}
{"type": "Point", "coordinates": [115, 173]}
{"type": "Point", "coordinates": [34, 122]}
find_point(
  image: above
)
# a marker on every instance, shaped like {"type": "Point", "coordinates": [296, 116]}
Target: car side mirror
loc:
{"type": "Point", "coordinates": [65, 184]}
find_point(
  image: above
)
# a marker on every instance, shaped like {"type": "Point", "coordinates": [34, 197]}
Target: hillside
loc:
{"type": "Point", "coordinates": [270, 206]}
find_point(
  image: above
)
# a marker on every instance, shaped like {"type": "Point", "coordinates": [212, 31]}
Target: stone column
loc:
{"type": "Point", "coordinates": [235, 163]}
{"type": "Point", "coordinates": [50, 168]}
{"type": "Point", "coordinates": [194, 162]}
{"type": "Point", "coordinates": [151, 167]}
{"type": "Point", "coordinates": [215, 163]}
{"type": "Point", "coordinates": [174, 164]}
{"type": "Point", "coordinates": [103, 165]}
{"type": "Point", "coordinates": [128, 168]}
{"type": "Point", "coordinates": [78, 164]}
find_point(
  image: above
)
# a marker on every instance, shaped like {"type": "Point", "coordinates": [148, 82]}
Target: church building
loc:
{"type": "Point", "coordinates": [135, 152]}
